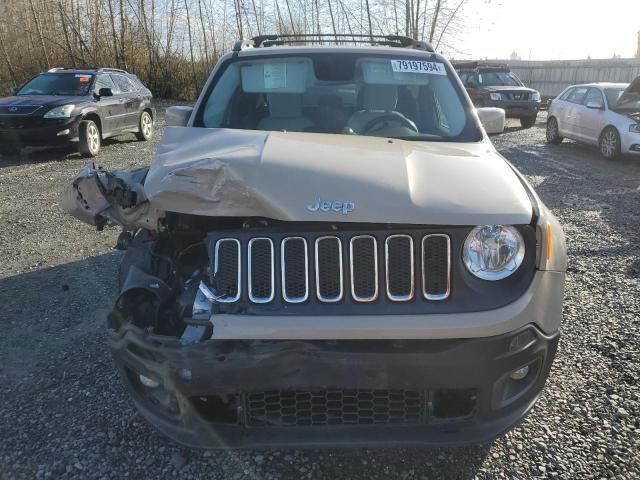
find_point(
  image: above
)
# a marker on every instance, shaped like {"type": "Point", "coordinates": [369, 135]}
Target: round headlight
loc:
{"type": "Point", "coordinates": [493, 252]}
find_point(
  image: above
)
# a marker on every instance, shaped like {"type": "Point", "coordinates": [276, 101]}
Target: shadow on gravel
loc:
{"type": "Point", "coordinates": [461, 463]}
{"type": "Point", "coordinates": [34, 155]}
{"type": "Point", "coordinates": [43, 306]}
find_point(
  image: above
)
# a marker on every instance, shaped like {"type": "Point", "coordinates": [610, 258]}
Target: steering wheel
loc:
{"type": "Point", "coordinates": [390, 117]}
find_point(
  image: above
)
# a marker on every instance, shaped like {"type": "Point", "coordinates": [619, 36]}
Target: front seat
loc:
{"type": "Point", "coordinates": [285, 113]}
{"type": "Point", "coordinates": [374, 101]}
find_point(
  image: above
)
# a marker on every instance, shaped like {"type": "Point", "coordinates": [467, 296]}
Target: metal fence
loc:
{"type": "Point", "coordinates": [550, 77]}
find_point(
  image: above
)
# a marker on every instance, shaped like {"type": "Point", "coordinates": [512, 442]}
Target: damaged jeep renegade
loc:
{"type": "Point", "coordinates": [327, 250]}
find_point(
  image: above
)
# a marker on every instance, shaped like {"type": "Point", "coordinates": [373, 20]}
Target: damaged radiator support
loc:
{"type": "Point", "coordinates": [201, 315]}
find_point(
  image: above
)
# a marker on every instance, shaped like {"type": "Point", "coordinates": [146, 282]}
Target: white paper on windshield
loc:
{"type": "Point", "coordinates": [275, 75]}
{"type": "Point", "coordinates": [418, 66]}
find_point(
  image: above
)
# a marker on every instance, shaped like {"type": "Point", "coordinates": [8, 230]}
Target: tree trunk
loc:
{"type": "Point", "coordinates": [434, 21]}
{"type": "Point", "coordinates": [36, 19]}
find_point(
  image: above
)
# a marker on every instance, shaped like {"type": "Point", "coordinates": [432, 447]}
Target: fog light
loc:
{"type": "Point", "coordinates": [63, 132]}
{"type": "Point", "coordinates": [635, 147]}
{"type": "Point", "coordinates": [185, 374]}
{"type": "Point", "coordinates": [148, 382]}
{"type": "Point", "coordinates": [520, 373]}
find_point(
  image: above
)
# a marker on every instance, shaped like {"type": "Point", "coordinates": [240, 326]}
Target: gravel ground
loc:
{"type": "Point", "coordinates": [65, 415]}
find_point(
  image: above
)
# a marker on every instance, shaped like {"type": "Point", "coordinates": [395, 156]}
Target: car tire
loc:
{"type": "Point", "coordinates": [609, 143]}
{"type": "Point", "coordinates": [553, 132]}
{"type": "Point", "coordinates": [145, 127]}
{"type": "Point", "coordinates": [528, 122]}
{"type": "Point", "coordinates": [90, 139]}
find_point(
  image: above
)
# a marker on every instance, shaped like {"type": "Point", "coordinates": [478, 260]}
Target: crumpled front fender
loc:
{"type": "Point", "coordinates": [99, 197]}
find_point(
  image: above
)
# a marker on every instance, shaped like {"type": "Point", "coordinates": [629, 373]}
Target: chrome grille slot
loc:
{"type": "Point", "coordinates": [260, 270]}
{"type": "Point", "coordinates": [227, 271]}
{"type": "Point", "coordinates": [329, 274]}
{"type": "Point", "coordinates": [363, 262]}
{"type": "Point", "coordinates": [436, 266]}
{"type": "Point", "coordinates": [294, 258]}
{"type": "Point", "coordinates": [399, 266]}
{"type": "Point", "coordinates": [273, 272]}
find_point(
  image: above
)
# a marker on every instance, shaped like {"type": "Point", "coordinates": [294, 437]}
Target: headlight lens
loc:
{"type": "Point", "coordinates": [535, 96]}
{"type": "Point", "coordinates": [495, 96]}
{"type": "Point", "coordinates": [60, 112]}
{"type": "Point", "coordinates": [493, 252]}
{"type": "Point", "coordinates": [635, 128]}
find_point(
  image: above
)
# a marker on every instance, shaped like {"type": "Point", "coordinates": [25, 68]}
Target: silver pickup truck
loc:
{"type": "Point", "coordinates": [328, 250]}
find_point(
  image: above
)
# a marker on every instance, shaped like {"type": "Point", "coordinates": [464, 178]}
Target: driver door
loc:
{"type": "Point", "coordinates": [592, 120]}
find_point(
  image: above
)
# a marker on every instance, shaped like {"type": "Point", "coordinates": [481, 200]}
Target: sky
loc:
{"type": "Point", "coordinates": [549, 29]}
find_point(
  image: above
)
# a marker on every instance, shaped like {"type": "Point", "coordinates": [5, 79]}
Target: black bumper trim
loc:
{"type": "Point", "coordinates": [237, 367]}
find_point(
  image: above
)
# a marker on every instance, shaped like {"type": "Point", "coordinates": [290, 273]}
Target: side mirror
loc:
{"type": "Point", "coordinates": [492, 119]}
{"type": "Point", "coordinates": [105, 92]}
{"type": "Point", "coordinates": [14, 90]}
{"type": "Point", "coordinates": [595, 106]}
{"type": "Point", "coordinates": [178, 116]}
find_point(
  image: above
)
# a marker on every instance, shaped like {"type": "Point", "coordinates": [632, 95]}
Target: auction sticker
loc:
{"type": "Point", "coordinates": [418, 66]}
{"type": "Point", "coordinates": [275, 75]}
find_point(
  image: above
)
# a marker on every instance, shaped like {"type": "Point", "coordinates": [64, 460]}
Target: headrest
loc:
{"type": "Point", "coordinates": [379, 97]}
{"type": "Point", "coordinates": [285, 105]}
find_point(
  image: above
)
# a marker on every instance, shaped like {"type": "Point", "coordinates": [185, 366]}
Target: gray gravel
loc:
{"type": "Point", "coordinates": [64, 413]}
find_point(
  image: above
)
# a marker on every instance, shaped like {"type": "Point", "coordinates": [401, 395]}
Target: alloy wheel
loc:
{"type": "Point", "coordinates": [93, 138]}
{"type": "Point", "coordinates": [609, 144]}
{"type": "Point", "coordinates": [146, 125]}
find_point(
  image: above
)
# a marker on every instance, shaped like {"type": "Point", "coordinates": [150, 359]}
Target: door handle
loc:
{"type": "Point", "coordinates": [122, 100]}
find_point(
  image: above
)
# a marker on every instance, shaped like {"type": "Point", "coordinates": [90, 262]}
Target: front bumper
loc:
{"type": "Point", "coordinates": [28, 132]}
{"type": "Point", "coordinates": [335, 392]}
{"type": "Point", "coordinates": [515, 109]}
{"type": "Point", "coordinates": [630, 143]}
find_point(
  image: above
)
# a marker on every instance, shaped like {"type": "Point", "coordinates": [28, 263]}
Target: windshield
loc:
{"type": "Point", "coordinates": [498, 79]}
{"type": "Point", "coordinates": [74, 84]}
{"type": "Point", "coordinates": [342, 94]}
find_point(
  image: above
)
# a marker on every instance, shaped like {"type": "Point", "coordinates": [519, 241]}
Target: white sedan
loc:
{"type": "Point", "coordinates": [602, 114]}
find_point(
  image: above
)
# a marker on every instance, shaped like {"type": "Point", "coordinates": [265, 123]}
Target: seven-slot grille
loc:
{"type": "Point", "coordinates": [332, 267]}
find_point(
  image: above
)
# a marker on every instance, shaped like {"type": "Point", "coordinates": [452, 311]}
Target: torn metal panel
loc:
{"type": "Point", "coordinates": [97, 197]}
{"type": "Point", "coordinates": [210, 172]}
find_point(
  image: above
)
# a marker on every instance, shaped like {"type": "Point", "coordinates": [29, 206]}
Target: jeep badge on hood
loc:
{"type": "Point", "coordinates": [345, 207]}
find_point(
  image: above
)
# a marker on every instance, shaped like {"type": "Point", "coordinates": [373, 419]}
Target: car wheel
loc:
{"type": "Point", "coordinates": [145, 127]}
{"type": "Point", "coordinates": [553, 134]}
{"type": "Point", "coordinates": [90, 138]}
{"type": "Point", "coordinates": [609, 143]}
{"type": "Point", "coordinates": [528, 122]}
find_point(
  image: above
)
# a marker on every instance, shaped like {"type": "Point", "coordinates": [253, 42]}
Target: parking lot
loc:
{"type": "Point", "coordinates": [65, 415]}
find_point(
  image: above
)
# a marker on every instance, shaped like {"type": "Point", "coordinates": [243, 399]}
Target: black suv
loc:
{"type": "Point", "coordinates": [83, 106]}
{"type": "Point", "coordinates": [495, 85]}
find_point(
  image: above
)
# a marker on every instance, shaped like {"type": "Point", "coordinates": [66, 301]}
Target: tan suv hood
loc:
{"type": "Point", "coordinates": [285, 175]}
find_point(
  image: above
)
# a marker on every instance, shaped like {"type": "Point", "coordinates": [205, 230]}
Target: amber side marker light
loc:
{"type": "Point", "coordinates": [548, 241]}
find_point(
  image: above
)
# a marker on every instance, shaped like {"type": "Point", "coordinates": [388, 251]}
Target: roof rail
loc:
{"type": "Point", "coordinates": [117, 70]}
{"type": "Point", "coordinates": [398, 41]}
{"type": "Point", "coordinates": [473, 65]}
{"type": "Point", "coordinates": [96, 69]}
